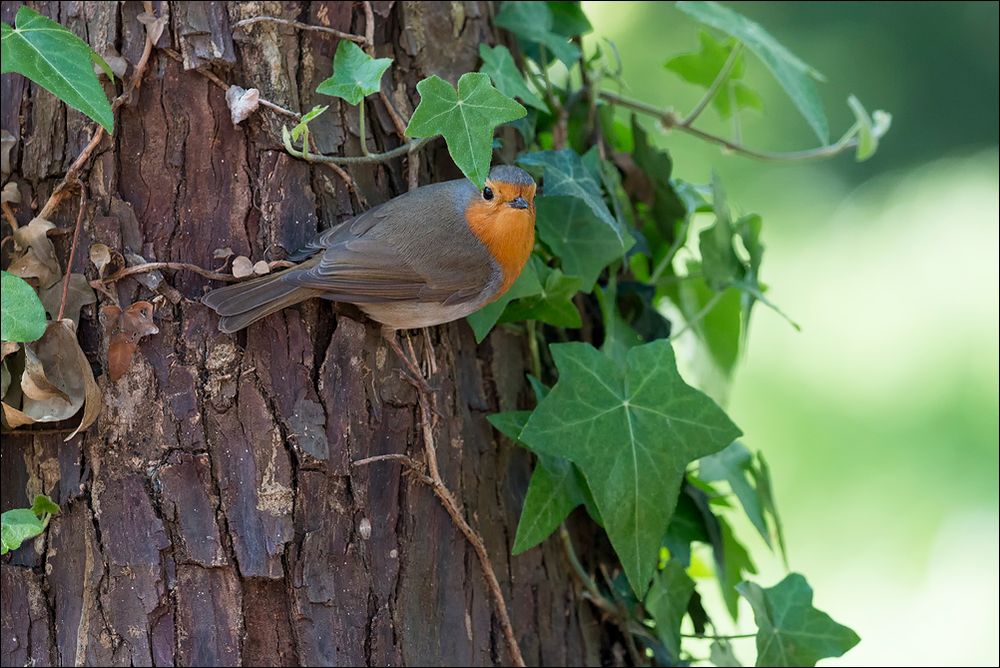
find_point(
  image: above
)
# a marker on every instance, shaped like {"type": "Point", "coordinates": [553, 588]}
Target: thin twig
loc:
{"type": "Point", "coordinates": [409, 461]}
{"type": "Point", "coordinates": [301, 26]}
{"type": "Point", "coordinates": [369, 28]}
{"type": "Point", "coordinates": [175, 266]}
{"type": "Point", "coordinates": [471, 535]}
{"type": "Point", "coordinates": [727, 67]}
{"type": "Point", "coordinates": [669, 120]}
{"type": "Point", "coordinates": [397, 119]}
{"type": "Point", "coordinates": [413, 168]}
{"type": "Point", "coordinates": [366, 159]}
{"type": "Point", "coordinates": [72, 251]}
{"type": "Point", "coordinates": [8, 214]}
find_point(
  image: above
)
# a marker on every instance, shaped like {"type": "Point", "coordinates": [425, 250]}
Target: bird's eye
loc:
{"type": "Point", "coordinates": [487, 193]}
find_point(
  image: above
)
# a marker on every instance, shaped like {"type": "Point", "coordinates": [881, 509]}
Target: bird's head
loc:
{"type": "Point", "coordinates": [503, 217]}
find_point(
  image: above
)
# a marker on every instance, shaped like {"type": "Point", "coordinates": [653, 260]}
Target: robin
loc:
{"type": "Point", "coordinates": [430, 256]}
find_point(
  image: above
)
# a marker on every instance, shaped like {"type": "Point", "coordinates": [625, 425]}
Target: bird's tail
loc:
{"type": "Point", "coordinates": [246, 303]}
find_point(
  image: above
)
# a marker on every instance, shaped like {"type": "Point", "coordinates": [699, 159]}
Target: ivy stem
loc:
{"type": "Point", "coordinates": [72, 251]}
{"type": "Point", "coordinates": [402, 150]}
{"type": "Point", "coordinates": [720, 78]}
{"type": "Point", "coordinates": [735, 636]}
{"type": "Point", "coordinates": [536, 358]}
{"type": "Point", "coordinates": [668, 259]}
{"type": "Point", "coordinates": [668, 119]}
{"type": "Point", "coordinates": [700, 315]}
{"type": "Point", "coordinates": [361, 129]}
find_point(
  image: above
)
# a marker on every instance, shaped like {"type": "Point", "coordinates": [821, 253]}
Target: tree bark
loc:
{"type": "Point", "coordinates": [212, 515]}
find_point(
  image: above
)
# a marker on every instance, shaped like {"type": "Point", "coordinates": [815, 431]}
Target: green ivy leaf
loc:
{"type": "Point", "coordinates": [669, 209]}
{"type": "Point", "coordinates": [763, 484]}
{"type": "Point", "coordinates": [732, 563]}
{"type": "Point", "coordinates": [355, 74]}
{"type": "Point", "coordinates": [568, 18]}
{"type": "Point", "coordinates": [631, 430]}
{"type": "Point", "coordinates": [619, 336]}
{"type": "Point", "coordinates": [794, 75]}
{"type": "Point", "coordinates": [22, 316]}
{"type": "Point", "coordinates": [721, 654]}
{"type": "Point", "coordinates": [526, 285]}
{"type": "Point", "coordinates": [566, 174]}
{"type": "Point", "coordinates": [500, 66]}
{"type": "Point", "coordinates": [867, 139]}
{"type": "Point", "coordinates": [702, 67]}
{"type": "Point", "coordinates": [553, 305]}
{"type": "Point", "coordinates": [43, 505]}
{"type": "Point", "coordinates": [719, 263]}
{"type": "Point", "coordinates": [510, 423]}
{"type": "Point", "coordinates": [688, 525]}
{"type": "Point", "coordinates": [21, 524]}
{"type": "Point", "coordinates": [667, 602]}
{"type": "Point", "coordinates": [301, 129]}
{"type": "Point", "coordinates": [583, 243]}
{"type": "Point", "coordinates": [735, 465]}
{"type": "Point", "coordinates": [532, 22]}
{"type": "Point", "coordinates": [58, 61]}
{"type": "Point", "coordinates": [791, 631]}
{"type": "Point", "coordinates": [556, 488]}
{"type": "Point", "coordinates": [466, 118]}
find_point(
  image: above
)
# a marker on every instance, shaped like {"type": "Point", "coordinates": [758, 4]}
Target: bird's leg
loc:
{"type": "Point", "coordinates": [415, 376]}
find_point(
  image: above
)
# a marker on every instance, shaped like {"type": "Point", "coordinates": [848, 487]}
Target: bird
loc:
{"type": "Point", "coordinates": [427, 257]}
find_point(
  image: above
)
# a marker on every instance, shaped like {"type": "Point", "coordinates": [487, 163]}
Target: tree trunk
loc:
{"type": "Point", "coordinates": [212, 515]}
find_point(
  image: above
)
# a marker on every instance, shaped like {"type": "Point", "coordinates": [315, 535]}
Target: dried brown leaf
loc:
{"type": "Point", "coordinates": [242, 267]}
{"type": "Point", "coordinates": [125, 329]}
{"type": "Point", "coordinates": [79, 295]}
{"type": "Point", "coordinates": [4, 378]}
{"type": "Point", "coordinates": [261, 267]}
{"type": "Point", "coordinates": [7, 142]}
{"type": "Point", "coordinates": [15, 418]}
{"type": "Point", "coordinates": [37, 255]}
{"type": "Point", "coordinates": [154, 25]}
{"type": "Point", "coordinates": [100, 255]}
{"type": "Point", "coordinates": [36, 385]}
{"type": "Point", "coordinates": [242, 102]}
{"type": "Point", "coordinates": [120, 353]}
{"type": "Point", "coordinates": [11, 193]}
{"type": "Point", "coordinates": [8, 347]}
{"type": "Point", "coordinates": [222, 253]}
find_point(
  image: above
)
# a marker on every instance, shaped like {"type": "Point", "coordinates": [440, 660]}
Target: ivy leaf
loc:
{"type": "Point", "coordinates": [869, 130]}
{"type": "Point", "coordinates": [553, 305]}
{"type": "Point", "coordinates": [43, 505]}
{"type": "Point", "coordinates": [732, 562]}
{"type": "Point", "coordinates": [500, 65]}
{"type": "Point", "coordinates": [532, 22]}
{"type": "Point", "coordinates": [566, 174]}
{"type": "Point", "coordinates": [510, 423]}
{"type": "Point", "coordinates": [762, 476]}
{"type": "Point", "coordinates": [702, 68]}
{"type": "Point", "coordinates": [22, 317]}
{"type": "Point", "coordinates": [301, 129]}
{"type": "Point", "coordinates": [719, 263]}
{"type": "Point", "coordinates": [721, 654]}
{"type": "Point", "coordinates": [667, 602]}
{"type": "Point", "coordinates": [58, 61]}
{"type": "Point", "coordinates": [735, 465]}
{"type": "Point", "coordinates": [791, 631]}
{"type": "Point", "coordinates": [619, 336]}
{"type": "Point", "coordinates": [466, 117]}
{"type": "Point", "coordinates": [794, 75]}
{"type": "Point", "coordinates": [355, 74]}
{"type": "Point", "coordinates": [556, 488]}
{"type": "Point", "coordinates": [21, 524]}
{"type": "Point", "coordinates": [668, 207]}
{"type": "Point", "coordinates": [526, 285]}
{"type": "Point", "coordinates": [631, 430]}
{"type": "Point", "coordinates": [686, 526]}
{"type": "Point", "coordinates": [584, 244]}
{"type": "Point", "coordinates": [568, 19]}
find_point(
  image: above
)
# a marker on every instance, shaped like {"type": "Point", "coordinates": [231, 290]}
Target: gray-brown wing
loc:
{"type": "Point", "coordinates": [409, 249]}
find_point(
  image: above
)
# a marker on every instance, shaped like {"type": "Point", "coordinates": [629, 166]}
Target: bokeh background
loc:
{"type": "Point", "coordinates": [879, 418]}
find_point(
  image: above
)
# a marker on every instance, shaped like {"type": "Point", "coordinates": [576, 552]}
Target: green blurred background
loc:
{"type": "Point", "coordinates": [879, 418]}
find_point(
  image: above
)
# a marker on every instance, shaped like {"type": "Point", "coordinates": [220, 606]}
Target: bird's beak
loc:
{"type": "Point", "coordinates": [518, 203]}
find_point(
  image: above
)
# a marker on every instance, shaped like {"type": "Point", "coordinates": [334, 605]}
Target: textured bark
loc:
{"type": "Point", "coordinates": [212, 515]}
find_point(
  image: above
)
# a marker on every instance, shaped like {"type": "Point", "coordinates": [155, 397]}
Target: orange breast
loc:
{"type": "Point", "coordinates": [508, 234]}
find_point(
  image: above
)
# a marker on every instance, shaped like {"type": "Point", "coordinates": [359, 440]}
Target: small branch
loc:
{"type": "Point", "coordinates": [366, 159]}
{"type": "Point", "coordinates": [369, 28]}
{"type": "Point", "coordinates": [72, 251]}
{"type": "Point", "coordinates": [175, 266]}
{"type": "Point", "coordinates": [301, 26]}
{"type": "Point", "coordinates": [669, 121]}
{"type": "Point", "coordinates": [727, 67]}
{"type": "Point", "coordinates": [8, 215]}
{"type": "Point", "coordinates": [737, 636]}
{"type": "Point", "coordinates": [361, 130]}
{"type": "Point", "coordinates": [397, 120]}
{"type": "Point", "coordinates": [408, 461]}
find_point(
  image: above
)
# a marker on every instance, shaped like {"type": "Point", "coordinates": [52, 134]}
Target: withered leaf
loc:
{"type": "Point", "coordinates": [154, 25]}
{"type": "Point", "coordinates": [66, 368]}
{"type": "Point", "coordinates": [37, 255]}
{"type": "Point", "coordinates": [36, 385]}
{"type": "Point", "coordinates": [222, 253]}
{"type": "Point", "coordinates": [11, 193]}
{"type": "Point", "coordinates": [261, 267]}
{"type": "Point", "coordinates": [125, 329]}
{"type": "Point", "coordinates": [242, 102]}
{"type": "Point", "coordinates": [120, 353]}
{"type": "Point", "coordinates": [7, 142]}
{"type": "Point", "coordinates": [100, 255]}
{"type": "Point", "coordinates": [79, 295]}
{"type": "Point", "coordinates": [242, 267]}
{"type": "Point", "coordinates": [8, 347]}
